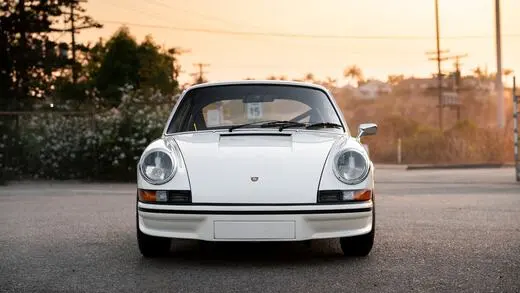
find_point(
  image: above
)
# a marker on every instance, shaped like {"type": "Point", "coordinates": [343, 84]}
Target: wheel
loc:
{"type": "Point", "coordinates": [357, 245]}
{"type": "Point", "coordinates": [151, 246]}
{"type": "Point", "coordinates": [360, 245]}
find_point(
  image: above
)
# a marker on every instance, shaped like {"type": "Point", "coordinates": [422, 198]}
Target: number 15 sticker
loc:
{"type": "Point", "coordinates": [254, 110]}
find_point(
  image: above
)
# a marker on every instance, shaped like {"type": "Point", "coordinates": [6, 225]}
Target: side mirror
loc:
{"type": "Point", "coordinates": [367, 129]}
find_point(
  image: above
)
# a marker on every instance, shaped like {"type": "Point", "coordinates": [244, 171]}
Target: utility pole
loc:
{"type": "Point", "coordinates": [439, 72]}
{"type": "Point", "coordinates": [22, 76]}
{"type": "Point", "coordinates": [440, 75]}
{"type": "Point", "coordinates": [457, 62]}
{"type": "Point", "coordinates": [500, 86]}
{"type": "Point", "coordinates": [84, 23]}
{"type": "Point", "coordinates": [199, 77]}
{"type": "Point", "coordinates": [439, 60]}
{"type": "Point", "coordinates": [457, 65]}
{"type": "Point", "coordinates": [449, 99]}
{"type": "Point", "coordinates": [73, 44]}
{"type": "Point", "coordinates": [456, 82]}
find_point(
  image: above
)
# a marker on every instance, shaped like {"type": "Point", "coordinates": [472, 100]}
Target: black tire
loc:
{"type": "Point", "coordinates": [151, 246]}
{"type": "Point", "coordinates": [361, 245]}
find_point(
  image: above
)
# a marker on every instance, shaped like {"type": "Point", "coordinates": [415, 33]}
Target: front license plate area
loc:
{"type": "Point", "coordinates": [251, 230]}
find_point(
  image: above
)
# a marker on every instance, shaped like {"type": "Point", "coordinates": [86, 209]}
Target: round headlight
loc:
{"type": "Point", "coordinates": [351, 166]}
{"type": "Point", "coordinates": [157, 166]}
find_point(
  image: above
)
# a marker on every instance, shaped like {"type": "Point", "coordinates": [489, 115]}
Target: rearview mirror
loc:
{"type": "Point", "coordinates": [258, 99]}
{"type": "Point", "coordinates": [367, 129]}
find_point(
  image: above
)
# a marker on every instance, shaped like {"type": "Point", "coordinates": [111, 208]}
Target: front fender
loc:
{"type": "Point", "coordinates": [329, 181]}
{"type": "Point", "coordinates": [180, 181]}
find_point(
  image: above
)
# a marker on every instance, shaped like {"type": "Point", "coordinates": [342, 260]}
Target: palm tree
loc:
{"type": "Point", "coordinates": [309, 77]}
{"type": "Point", "coordinates": [395, 79]}
{"type": "Point", "coordinates": [507, 72]}
{"type": "Point", "coordinates": [478, 72]}
{"type": "Point", "coordinates": [353, 73]}
{"type": "Point", "coordinates": [330, 80]}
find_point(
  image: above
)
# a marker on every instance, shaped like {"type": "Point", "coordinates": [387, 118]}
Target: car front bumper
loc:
{"type": "Point", "coordinates": [255, 223]}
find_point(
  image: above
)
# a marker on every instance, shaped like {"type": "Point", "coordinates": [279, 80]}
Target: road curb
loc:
{"type": "Point", "coordinates": [389, 166]}
{"type": "Point", "coordinates": [459, 166]}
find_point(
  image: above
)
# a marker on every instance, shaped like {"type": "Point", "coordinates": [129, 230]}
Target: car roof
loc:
{"type": "Point", "coordinates": [258, 82]}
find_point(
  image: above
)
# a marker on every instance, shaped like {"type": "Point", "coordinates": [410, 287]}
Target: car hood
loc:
{"type": "Point", "coordinates": [245, 167]}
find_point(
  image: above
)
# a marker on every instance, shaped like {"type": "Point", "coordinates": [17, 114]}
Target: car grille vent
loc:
{"type": "Point", "coordinates": [329, 196]}
{"type": "Point", "coordinates": [179, 196]}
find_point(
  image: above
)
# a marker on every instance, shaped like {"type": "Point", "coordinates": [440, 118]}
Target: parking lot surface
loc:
{"type": "Point", "coordinates": [436, 231]}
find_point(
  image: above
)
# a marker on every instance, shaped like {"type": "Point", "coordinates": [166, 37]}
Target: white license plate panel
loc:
{"type": "Point", "coordinates": [250, 230]}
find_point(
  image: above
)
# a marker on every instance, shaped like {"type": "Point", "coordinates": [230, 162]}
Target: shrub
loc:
{"type": "Point", "coordinates": [101, 146]}
{"type": "Point", "coordinates": [106, 145]}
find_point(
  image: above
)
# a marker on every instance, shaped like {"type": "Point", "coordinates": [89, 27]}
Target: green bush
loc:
{"type": "Point", "coordinates": [102, 146]}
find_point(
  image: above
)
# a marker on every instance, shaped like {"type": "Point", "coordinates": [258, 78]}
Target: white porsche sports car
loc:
{"type": "Point", "coordinates": [256, 161]}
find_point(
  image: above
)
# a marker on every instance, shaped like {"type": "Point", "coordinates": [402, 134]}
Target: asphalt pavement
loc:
{"type": "Point", "coordinates": [436, 231]}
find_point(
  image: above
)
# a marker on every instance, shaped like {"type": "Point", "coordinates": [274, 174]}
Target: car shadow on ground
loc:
{"type": "Point", "coordinates": [254, 253]}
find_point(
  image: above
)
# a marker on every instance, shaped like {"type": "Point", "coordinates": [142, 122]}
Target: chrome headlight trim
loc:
{"type": "Point", "coordinates": [171, 156]}
{"type": "Point", "coordinates": [351, 181]}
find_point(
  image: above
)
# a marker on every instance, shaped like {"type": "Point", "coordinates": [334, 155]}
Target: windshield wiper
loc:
{"type": "Point", "coordinates": [250, 123]}
{"type": "Point", "coordinates": [324, 124]}
{"type": "Point", "coordinates": [287, 124]}
{"type": "Point", "coordinates": [283, 124]}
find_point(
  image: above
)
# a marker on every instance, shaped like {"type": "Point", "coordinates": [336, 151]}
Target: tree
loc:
{"type": "Point", "coordinates": [29, 57]}
{"type": "Point", "coordinates": [122, 61]}
{"type": "Point", "coordinates": [118, 66]}
{"type": "Point", "coordinates": [29, 60]}
{"type": "Point", "coordinates": [309, 77]}
{"type": "Point", "coordinates": [478, 73]}
{"type": "Point", "coordinates": [507, 72]}
{"type": "Point", "coordinates": [274, 77]}
{"type": "Point", "coordinates": [395, 79]}
{"type": "Point", "coordinates": [156, 68]}
{"type": "Point", "coordinates": [177, 68]}
{"type": "Point", "coordinates": [354, 73]}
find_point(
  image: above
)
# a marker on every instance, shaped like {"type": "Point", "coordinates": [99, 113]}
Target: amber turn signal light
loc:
{"type": "Point", "coordinates": [357, 195]}
{"type": "Point", "coordinates": [363, 195]}
{"type": "Point", "coordinates": [147, 195]}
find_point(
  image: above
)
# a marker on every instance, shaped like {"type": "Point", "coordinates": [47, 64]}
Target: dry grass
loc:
{"type": "Point", "coordinates": [414, 119]}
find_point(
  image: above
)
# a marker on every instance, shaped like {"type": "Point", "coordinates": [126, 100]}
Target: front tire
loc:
{"type": "Point", "coordinates": [360, 245]}
{"type": "Point", "coordinates": [151, 246]}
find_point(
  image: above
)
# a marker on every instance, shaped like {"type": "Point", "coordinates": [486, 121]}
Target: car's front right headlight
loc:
{"type": "Point", "coordinates": [351, 166]}
{"type": "Point", "coordinates": [158, 166]}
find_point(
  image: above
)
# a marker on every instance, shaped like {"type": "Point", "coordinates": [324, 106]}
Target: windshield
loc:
{"type": "Point", "coordinates": [227, 106]}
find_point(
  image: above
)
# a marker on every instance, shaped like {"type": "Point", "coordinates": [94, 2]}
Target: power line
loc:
{"type": "Point", "coordinates": [294, 35]}
{"type": "Point", "coordinates": [206, 16]}
{"type": "Point", "coordinates": [129, 8]}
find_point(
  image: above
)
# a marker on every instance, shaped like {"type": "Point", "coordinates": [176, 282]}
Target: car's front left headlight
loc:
{"type": "Point", "coordinates": [351, 166]}
{"type": "Point", "coordinates": [158, 166]}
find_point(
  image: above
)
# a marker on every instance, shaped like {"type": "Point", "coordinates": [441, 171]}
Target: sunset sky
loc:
{"type": "Point", "coordinates": [467, 26]}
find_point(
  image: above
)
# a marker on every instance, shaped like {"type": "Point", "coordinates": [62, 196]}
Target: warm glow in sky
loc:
{"type": "Point", "coordinates": [238, 56]}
